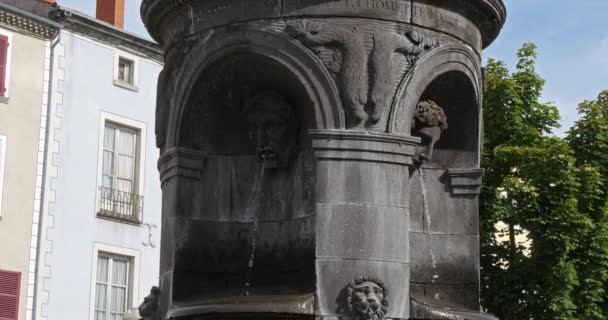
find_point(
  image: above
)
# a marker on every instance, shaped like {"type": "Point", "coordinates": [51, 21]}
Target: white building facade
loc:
{"type": "Point", "coordinates": [102, 208]}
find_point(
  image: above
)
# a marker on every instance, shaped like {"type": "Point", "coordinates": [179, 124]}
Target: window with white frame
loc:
{"type": "Point", "coordinates": [119, 155]}
{"type": "Point", "coordinates": [126, 70]}
{"type": "Point", "coordinates": [121, 161]}
{"type": "Point", "coordinates": [114, 281]}
{"type": "Point", "coordinates": [3, 141]}
{"type": "Point", "coordinates": [111, 286]}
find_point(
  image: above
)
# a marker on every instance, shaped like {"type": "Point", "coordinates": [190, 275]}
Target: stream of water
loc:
{"type": "Point", "coordinates": [253, 204]}
{"type": "Point", "coordinates": [427, 220]}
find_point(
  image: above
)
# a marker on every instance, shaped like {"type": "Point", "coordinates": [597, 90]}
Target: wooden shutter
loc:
{"type": "Point", "coordinates": [3, 63]}
{"type": "Point", "coordinates": [9, 294]}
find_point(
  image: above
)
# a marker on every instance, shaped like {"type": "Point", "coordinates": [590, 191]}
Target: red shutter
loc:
{"type": "Point", "coordinates": [9, 294]}
{"type": "Point", "coordinates": [3, 62]}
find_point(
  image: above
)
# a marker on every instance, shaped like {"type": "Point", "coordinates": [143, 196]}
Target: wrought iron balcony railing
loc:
{"type": "Point", "coordinates": [120, 205]}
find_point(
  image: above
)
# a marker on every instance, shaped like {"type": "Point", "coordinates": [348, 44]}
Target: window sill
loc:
{"type": "Point", "coordinates": [126, 85]}
{"type": "Point", "coordinates": [4, 100]}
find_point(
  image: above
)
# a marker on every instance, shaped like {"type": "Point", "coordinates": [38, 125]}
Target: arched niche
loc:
{"type": "Point", "coordinates": [450, 76]}
{"type": "Point", "coordinates": [234, 199]}
{"type": "Point", "coordinates": [459, 144]}
{"type": "Point", "coordinates": [309, 85]}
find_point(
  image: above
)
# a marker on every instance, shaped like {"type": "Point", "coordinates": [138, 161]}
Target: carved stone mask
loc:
{"type": "Point", "coordinates": [429, 122]}
{"type": "Point", "coordinates": [272, 128]}
{"type": "Point", "coordinates": [148, 308]}
{"type": "Point", "coordinates": [429, 136]}
{"type": "Point", "coordinates": [367, 299]}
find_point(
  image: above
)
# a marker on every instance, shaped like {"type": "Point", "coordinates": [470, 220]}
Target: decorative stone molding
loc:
{"type": "Point", "coordinates": [295, 305]}
{"type": "Point", "coordinates": [181, 162]}
{"type": "Point", "coordinates": [425, 310]}
{"type": "Point", "coordinates": [361, 146]}
{"type": "Point", "coordinates": [33, 26]}
{"type": "Point", "coordinates": [465, 181]}
{"type": "Point", "coordinates": [484, 17]}
{"type": "Point", "coordinates": [104, 32]}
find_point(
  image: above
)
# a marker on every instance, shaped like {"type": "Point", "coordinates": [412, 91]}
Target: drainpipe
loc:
{"type": "Point", "coordinates": [49, 110]}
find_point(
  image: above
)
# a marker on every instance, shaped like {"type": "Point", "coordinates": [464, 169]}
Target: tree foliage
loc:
{"type": "Point", "coordinates": [549, 193]}
{"type": "Point", "coordinates": [589, 140]}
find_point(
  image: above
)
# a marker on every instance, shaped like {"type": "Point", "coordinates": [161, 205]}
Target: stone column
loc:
{"type": "Point", "coordinates": [362, 227]}
{"type": "Point", "coordinates": [180, 172]}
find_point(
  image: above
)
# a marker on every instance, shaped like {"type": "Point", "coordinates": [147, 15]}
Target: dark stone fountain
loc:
{"type": "Point", "coordinates": [320, 158]}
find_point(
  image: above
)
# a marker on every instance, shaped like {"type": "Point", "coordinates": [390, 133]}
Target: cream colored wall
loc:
{"type": "Point", "coordinates": [20, 122]}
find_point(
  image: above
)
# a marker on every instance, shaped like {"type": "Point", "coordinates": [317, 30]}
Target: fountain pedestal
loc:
{"type": "Point", "coordinates": [293, 134]}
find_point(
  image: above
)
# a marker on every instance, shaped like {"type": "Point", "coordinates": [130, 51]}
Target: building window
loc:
{"type": "Point", "coordinates": [126, 69]}
{"type": "Point", "coordinates": [114, 281]}
{"type": "Point", "coordinates": [5, 63]}
{"type": "Point", "coordinates": [3, 141]}
{"type": "Point", "coordinates": [119, 194]}
{"type": "Point", "coordinates": [10, 282]}
{"type": "Point", "coordinates": [111, 286]}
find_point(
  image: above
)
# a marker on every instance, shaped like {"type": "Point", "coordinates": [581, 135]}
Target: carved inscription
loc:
{"type": "Point", "coordinates": [443, 17]}
{"type": "Point", "coordinates": [446, 20]}
{"type": "Point", "coordinates": [399, 6]}
{"type": "Point", "coordinates": [245, 8]}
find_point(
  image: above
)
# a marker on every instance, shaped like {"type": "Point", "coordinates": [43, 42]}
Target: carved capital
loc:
{"type": "Point", "coordinates": [180, 162]}
{"type": "Point", "coordinates": [369, 147]}
{"type": "Point", "coordinates": [465, 181]}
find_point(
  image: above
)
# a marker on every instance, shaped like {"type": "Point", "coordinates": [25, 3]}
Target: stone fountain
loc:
{"type": "Point", "coordinates": [320, 158]}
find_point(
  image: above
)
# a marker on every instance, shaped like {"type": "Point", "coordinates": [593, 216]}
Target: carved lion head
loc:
{"type": "Point", "coordinates": [367, 299]}
{"type": "Point", "coordinates": [272, 128]}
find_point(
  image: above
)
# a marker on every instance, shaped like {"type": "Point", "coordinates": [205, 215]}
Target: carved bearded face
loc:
{"type": "Point", "coordinates": [367, 300]}
{"type": "Point", "coordinates": [272, 128]}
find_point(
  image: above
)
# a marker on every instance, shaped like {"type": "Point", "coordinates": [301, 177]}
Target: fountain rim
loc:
{"type": "Point", "coordinates": [153, 11]}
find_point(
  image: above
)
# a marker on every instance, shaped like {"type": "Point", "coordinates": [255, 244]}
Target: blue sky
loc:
{"type": "Point", "coordinates": [572, 37]}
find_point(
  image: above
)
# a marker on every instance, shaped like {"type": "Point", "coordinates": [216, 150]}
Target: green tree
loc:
{"type": "Point", "coordinates": [531, 185]}
{"type": "Point", "coordinates": [589, 140]}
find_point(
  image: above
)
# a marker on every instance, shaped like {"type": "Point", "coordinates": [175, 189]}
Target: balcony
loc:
{"type": "Point", "coordinates": [120, 206]}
